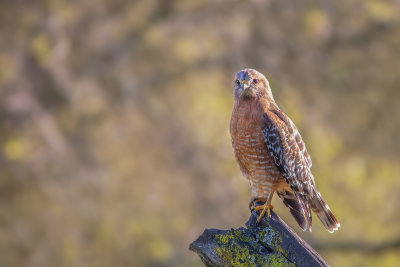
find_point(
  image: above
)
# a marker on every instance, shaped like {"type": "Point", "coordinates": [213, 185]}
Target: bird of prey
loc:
{"type": "Point", "coordinates": [272, 155]}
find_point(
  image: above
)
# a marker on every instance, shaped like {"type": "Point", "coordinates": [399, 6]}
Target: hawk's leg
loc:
{"type": "Point", "coordinates": [266, 207]}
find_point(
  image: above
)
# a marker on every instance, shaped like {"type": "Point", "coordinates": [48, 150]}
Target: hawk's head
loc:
{"type": "Point", "coordinates": [249, 83]}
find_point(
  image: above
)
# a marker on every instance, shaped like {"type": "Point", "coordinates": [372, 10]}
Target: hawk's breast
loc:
{"type": "Point", "coordinates": [250, 149]}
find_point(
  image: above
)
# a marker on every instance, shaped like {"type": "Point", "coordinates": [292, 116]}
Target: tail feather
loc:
{"type": "Point", "coordinates": [298, 209]}
{"type": "Point", "coordinates": [319, 207]}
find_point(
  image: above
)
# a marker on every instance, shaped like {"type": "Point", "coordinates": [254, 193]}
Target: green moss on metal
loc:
{"type": "Point", "coordinates": [239, 248]}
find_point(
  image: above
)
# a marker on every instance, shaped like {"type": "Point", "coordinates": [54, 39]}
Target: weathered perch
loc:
{"type": "Point", "coordinates": [270, 242]}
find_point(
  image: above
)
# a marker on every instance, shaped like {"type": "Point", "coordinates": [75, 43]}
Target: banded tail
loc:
{"type": "Point", "coordinates": [301, 211]}
{"type": "Point", "coordinates": [298, 208]}
{"type": "Point", "coordinates": [319, 207]}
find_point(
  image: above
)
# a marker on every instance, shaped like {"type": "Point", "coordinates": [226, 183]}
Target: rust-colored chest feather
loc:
{"type": "Point", "coordinates": [249, 145]}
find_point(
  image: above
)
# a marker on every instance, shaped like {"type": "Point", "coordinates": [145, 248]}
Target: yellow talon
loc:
{"type": "Point", "coordinates": [266, 208]}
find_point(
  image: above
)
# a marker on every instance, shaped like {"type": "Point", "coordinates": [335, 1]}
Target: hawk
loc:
{"type": "Point", "coordinates": [272, 155]}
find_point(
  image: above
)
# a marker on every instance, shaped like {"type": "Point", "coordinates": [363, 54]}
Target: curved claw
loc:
{"type": "Point", "coordinates": [266, 208]}
{"type": "Point", "coordinates": [254, 201]}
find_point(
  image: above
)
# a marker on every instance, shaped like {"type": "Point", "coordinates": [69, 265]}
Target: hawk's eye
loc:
{"type": "Point", "coordinates": [255, 80]}
{"type": "Point", "coordinates": [237, 82]}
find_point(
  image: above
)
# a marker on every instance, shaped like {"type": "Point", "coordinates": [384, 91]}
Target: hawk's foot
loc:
{"type": "Point", "coordinates": [265, 207]}
{"type": "Point", "coordinates": [256, 201]}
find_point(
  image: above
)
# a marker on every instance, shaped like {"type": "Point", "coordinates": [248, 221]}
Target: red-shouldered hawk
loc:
{"type": "Point", "coordinates": [271, 153]}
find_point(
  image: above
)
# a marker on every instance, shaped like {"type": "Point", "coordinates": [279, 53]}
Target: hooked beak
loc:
{"type": "Point", "coordinates": [244, 84]}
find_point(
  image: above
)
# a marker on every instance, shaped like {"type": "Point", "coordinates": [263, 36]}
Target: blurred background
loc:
{"type": "Point", "coordinates": [114, 116]}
